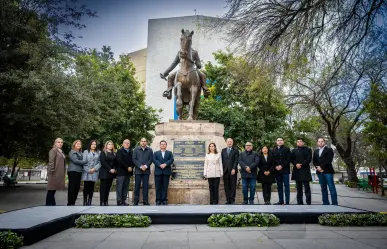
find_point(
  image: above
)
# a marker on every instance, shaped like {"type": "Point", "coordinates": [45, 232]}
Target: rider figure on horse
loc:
{"type": "Point", "coordinates": [171, 78]}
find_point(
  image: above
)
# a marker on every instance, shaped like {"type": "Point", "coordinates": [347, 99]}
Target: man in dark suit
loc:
{"type": "Point", "coordinates": [249, 161]}
{"type": "Point", "coordinates": [322, 160]}
{"type": "Point", "coordinates": [301, 158]}
{"type": "Point", "coordinates": [163, 160]}
{"type": "Point", "coordinates": [124, 171]}
{"type": "Point", "coordinates": [142, 159]}
{"type": "Point", "coordinates": [282, 156]}
{"type": "Point", "coordinates": [230, 157]}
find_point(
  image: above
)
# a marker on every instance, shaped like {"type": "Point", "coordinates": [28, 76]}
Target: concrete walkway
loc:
{"type": "Point", "coordinates": [202, 236]}
{"type": "Point", "coordinates": [35, 195]}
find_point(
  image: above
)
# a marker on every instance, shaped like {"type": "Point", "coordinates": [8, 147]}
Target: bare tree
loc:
{"type": "Point", "coordinates": [281, 31]}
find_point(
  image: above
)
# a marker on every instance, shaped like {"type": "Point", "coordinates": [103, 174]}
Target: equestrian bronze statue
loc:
{"type": "Point", "coordinates": [188, 80]}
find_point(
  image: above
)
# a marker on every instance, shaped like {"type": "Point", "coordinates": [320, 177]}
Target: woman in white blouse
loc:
{"type": "Point", "coordinates": [213, 171]}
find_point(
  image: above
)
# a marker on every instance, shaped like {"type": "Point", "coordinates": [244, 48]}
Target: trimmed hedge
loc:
{"type": "Point", "coordinates": [372, 219]}
{"type": "Point", "coordinates": [112, 220]}
{"type": "Point", "coordinates": [10, 240]}
{"type": "Point", "coordinates": [243, 220]}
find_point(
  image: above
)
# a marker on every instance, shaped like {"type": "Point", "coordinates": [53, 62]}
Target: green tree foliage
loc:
{"type": "Point", "coordinates": [49, 88]}
{"type": "Point", "coordinates": [376, 126]}
{"type": "Point", "coordinates": [245, 99]}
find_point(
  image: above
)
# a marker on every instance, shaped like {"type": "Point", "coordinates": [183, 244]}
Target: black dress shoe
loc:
{"type": "Point", "coordinates": [119, 203]}
{"type": "Point", "coordinates": [135, 203]}
{"type": "Point", "coordinates": [145, 203]}
{"type": "Point", "coordinates": [124, 204]}
{"type": "Point", "coordinates": [158, 203]}
{"type": "Point", "coordinates": [244, 203]}
{"type": "Point", "coordinates": [165, 203]}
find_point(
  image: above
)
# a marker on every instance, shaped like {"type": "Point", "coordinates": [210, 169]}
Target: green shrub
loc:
{"type": "Point", "coordinates": [112, 220]}
{"type": "Point", "coordinates": [10, 240]}
{"type": "Point", "coordinates": [371, 219]}
{"type": "Point", "coordinates": [350, 184]}
{"type": "Point", "coordinates": [243, 220]}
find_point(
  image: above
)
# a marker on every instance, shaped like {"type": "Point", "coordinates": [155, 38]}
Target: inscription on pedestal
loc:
{"type": "Point", "coordinates": [189, 159]}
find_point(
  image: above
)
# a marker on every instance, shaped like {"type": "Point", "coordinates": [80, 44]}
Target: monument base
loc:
{"type": "Point", "coordinates": [189, 142]}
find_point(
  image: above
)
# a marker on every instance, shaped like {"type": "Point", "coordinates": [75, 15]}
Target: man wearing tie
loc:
{"type": "Point", "coordinates": [163, 160]}
{"type": "Point", "coordinates": [322, 160]}
{"type": "Point", "coordinates": [230, 157]}
{"type": "Point", "coordinates": [282, 156]}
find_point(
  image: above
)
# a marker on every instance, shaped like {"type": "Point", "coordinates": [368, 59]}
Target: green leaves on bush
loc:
{"type": "Point", "coordinates": [243, 220]}
{"type": "Point", "coordinates": [10, 240]}
{"type": "Point", "coordinates": [350, 184]}
{"type": "Point", "coordinates": [112, 220]}
{"type": "Point", "coordinates": [372, 219]}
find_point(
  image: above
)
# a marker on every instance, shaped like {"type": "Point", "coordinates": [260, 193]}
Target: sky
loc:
{"type": "Point", "coordinates": [123, 24]}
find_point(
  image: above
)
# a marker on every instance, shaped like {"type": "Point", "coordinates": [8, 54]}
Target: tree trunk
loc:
{"type": "Point", "coordinates": [13, 167]}
{"type": "Point", "coordinates": [351, 170]}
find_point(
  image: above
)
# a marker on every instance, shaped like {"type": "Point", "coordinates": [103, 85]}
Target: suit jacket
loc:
{"type": "Point", "coordinates": [302, 155]}
{"type": "Point", "coordinates": [249, 159]}
{"type": "Point", "coordinates": [158, 160]}
{"type": "Point", "coordinates": [282, 157]}
{"type": "Point", "coordinates": [230, 162]}
{"type": "Point", "coordinates": [266, 165]}
{"type": "Point", "coordinates": [142, 157]}
{"type": "Point", "coordinates": [324, 161]}
{"type": "Point", "coordinates": [108, 162]}
{"type": "Point", "coordinates": [124, 161]}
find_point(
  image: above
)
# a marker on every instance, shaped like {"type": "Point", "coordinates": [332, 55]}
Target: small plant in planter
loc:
{"type": "Point", "coordinates": [10, 240]}
{"type": "Point", "coordinates": [243, 220]}
{"type": "Point", "coordinates": [112, 220]}
{"type": "Point", "coordinates": [371, 219]}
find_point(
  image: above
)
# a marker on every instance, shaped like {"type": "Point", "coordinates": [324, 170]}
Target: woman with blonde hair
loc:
{"type": "Point", "coordinates": [55, 171]}
{"type": "Point", "coordinates": [213, 171]}
{"type": "Point", "coordinates": [107, 171]}
{"type": "Point", "coordinates": [75, 171]}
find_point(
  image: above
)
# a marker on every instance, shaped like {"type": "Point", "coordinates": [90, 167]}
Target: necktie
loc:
{"type": "Point", "coordinates": [228, 151]}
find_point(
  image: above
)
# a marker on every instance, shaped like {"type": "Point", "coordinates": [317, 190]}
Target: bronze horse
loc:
{"type": "Point", "coordinates": [187, 81]}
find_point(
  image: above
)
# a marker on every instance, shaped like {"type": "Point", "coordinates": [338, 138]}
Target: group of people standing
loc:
{"type": "Point", "coordinates": [93, 165]}
{"type": "Point", "coordinates": [268, 167]}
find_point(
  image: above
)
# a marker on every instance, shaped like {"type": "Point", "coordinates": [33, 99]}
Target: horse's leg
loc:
{"type": "Point", "coordinates": [194, 92]}
{"type": "Point", "coordinates": [196, 107]}
{"type": "Point", "coordinates": [179, 100]}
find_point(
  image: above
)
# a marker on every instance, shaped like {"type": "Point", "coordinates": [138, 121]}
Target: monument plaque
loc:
{"type": "Point", "coordinates": [187, 149]}
{"type": "Point", "coordinates": [189, 159]}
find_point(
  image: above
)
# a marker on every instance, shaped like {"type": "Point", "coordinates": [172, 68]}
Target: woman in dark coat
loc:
{"type": "Point", "coordinates": [107, 171]}
{"type": "Point", "coordinates": [266, 174]}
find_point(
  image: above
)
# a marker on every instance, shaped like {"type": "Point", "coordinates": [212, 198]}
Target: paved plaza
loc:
{"type": "Point", "coordinates": [202, 236]}
{"type": "Point", "coordinates": [29, 195]}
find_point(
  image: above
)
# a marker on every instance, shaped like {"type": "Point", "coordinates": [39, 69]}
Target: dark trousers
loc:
{"type": "Point", "coordinates": [104, 190]}
{"type": "Point", "coordinates": [137, 185]}
{"type": "Point", "coordinates": [74, 186]}
{"type": "Point", "coordinates": [161, 183]}
{"type": "Point", "coordinates": [122, 188]}
{"type": "Point", "coordinates": [308, 194]}
{"type": "Point", "coordinates": [283, 180]}
{"type": "Point", "coordinates": [50, 198]}
{"type": "Point", "coordinates": [246, 184]}
{"type": "Point", "coordinates": [88, 190]}
{"type": "Point", "coordinates": [214, 189]}
{"type": "Point", "coordinates": [266, 190]}
{"type": "Point", "coordinates": [230, 186]}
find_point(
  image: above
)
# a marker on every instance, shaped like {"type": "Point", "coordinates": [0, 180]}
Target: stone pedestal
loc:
{"type": "Point", "coordinates": [188, 191]}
